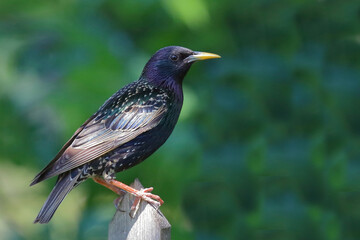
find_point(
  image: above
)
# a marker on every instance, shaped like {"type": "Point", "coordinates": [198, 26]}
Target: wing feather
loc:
{"type": "Point", "coordinates": [100, 136]}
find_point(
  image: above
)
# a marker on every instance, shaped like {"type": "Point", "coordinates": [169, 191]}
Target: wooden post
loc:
{"type": "Point", "coordinates": [147, 224]}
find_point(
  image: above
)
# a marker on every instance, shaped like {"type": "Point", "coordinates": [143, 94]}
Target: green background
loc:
{"type": "Point", "coordinates": [268, 142]}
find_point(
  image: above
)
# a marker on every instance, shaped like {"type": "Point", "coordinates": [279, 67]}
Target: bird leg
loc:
{"type": "Point", "coordinates": [144, 194]}
{"type": "Point", "coordinates": [107, 185]}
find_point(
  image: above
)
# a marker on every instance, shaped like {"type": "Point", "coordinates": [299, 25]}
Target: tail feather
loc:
{"type": "Point", "coordinates": [63, 186]}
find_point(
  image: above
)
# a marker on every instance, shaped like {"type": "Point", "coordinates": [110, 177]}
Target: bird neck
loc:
{"type": "Point", "coordinates": [172, 86]}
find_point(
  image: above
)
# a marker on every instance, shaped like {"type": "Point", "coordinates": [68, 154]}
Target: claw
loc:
{"type": "Point", "coordinates": [135, 207]}
{"type": "Point", "coordinates": [145, 194]}
{"type": "Point", "coordinates": [118, 200]}
{"type": "Point", "coordinates": [149, 197]}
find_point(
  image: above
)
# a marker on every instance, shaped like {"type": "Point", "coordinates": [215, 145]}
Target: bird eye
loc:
{"type": "Point", "coordinates": [174, 57]}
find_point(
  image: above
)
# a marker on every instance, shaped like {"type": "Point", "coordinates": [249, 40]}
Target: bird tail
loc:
{"type": "Point", "coordinates": [63, 186]}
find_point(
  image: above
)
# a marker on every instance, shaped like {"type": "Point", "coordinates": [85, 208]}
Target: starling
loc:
{"type": "Point", "coordinates": [130, 126]}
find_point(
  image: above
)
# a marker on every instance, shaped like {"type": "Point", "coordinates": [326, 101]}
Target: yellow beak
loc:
{"type": "Point", "coordinates": [201, 56]}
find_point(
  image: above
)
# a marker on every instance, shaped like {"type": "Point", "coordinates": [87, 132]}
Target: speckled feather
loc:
{"type": "Point", "coordinates": [136, 109]}
{"type": "Point", "coordinates": [127, 128]}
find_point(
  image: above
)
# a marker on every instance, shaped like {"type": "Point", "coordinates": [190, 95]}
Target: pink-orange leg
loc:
{"type": "Point", "coordinates": [144, 194]}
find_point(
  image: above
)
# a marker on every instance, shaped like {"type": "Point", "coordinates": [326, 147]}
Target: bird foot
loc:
{"type": "Point", "coordinates": [145, 194]}
{"type": "Point", "coordinates": [119, 188]}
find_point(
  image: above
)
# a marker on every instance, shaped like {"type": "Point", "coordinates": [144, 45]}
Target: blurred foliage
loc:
{"type": "Point", "coordinates": [268, 143]}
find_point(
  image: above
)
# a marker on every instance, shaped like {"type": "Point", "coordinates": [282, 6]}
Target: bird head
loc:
{"type": "Point", "coordinates": [169, 65]}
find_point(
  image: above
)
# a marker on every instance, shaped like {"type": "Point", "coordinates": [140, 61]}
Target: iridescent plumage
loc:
{"type": "Point", "coordinates": [128, 128]}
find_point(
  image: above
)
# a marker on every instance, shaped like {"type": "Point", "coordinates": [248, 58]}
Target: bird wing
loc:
{"type": "Point", "coordinates": [105, 132]}
{"type": "Point", "coordinates": [98, 138]}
